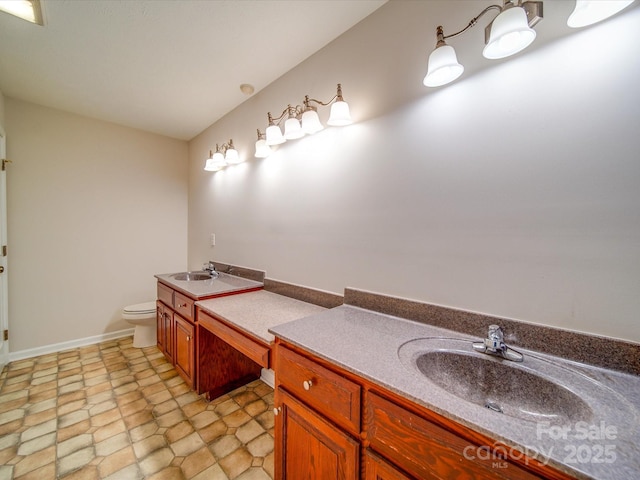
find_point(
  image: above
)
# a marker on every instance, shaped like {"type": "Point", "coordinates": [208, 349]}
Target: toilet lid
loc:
{"type": "Point", "coordinates": [141, 308]}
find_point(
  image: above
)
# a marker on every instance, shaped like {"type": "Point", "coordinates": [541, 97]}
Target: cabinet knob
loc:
{"type": "Point", "coordinates": [182, 305]}
{"type": "Point", "coordinates": [188, 338]}
{"type": "Point", "coordinates": [277, 410]}
{"type": "Point", "coordinates": [307, 384]}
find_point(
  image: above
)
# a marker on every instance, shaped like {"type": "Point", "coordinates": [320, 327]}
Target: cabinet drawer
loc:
{"type": "Point", "coordinates": [183, 305]}
{"type": "Point", "coordinates": [165, 294]}
{"type": "Point", "coordinates": [334, 396]}
{"type": "Point", "coordinates": [256, 351]}
{"type": "Point", "coordinates": [427, 450]}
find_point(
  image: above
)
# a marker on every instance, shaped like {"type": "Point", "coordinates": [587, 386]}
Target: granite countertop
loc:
{"type": "Point", "coordinates": [257, 312]}
{"type": "Point", "coordinates": [219, 285]}
{"type": "Point", "coordinates": [369, 344]}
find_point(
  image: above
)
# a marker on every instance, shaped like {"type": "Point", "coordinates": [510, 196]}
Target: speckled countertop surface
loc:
{"type": "Point", "coordinates": [219, 285]}
{"type": "Point", "coordinates": [599, 442]}
{"type": "Point", "coordinates": [257, 312]}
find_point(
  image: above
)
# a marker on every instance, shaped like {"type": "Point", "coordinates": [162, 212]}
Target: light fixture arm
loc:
{"type": "Point", "coordinates": [336, 97]}
{"type": "Point", "coordinates": [289, 112]}
{"type": "Point", "coordinates": [223, 148]}
{"type": "Point", "coordinates": [472, 23]}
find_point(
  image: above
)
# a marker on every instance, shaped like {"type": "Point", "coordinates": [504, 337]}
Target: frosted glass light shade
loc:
{"type": "Point", "coordinates": [209, 166]}
{"type": "Point", "coordinates": [292, 129]}
{"type": "Point", "coordinates": [311, 122]}
{"type": "Point", "coordinates": [274, 135]}
{"type": "Point", "coordinates": [262, 149]}
{"type": "Point", "coordinates": [215, 163]}
{"type": "Point", "coordinates": [232, 157]}
{"type": "Point", "coordinates": [510, 34]}
{"type": "Point", "coordinates": [218, 160]}
{"type": "Point", "coordinates": [340, 115]}
{"type": "Point", "coordinates": [588, 12]}
{"type": "Point", "coordinates": [443, 67]}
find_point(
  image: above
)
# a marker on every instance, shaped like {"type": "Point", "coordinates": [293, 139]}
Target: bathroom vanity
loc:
{"type": "Point", "coordinates": [176, 313]}
{"type": "Point", "coordinates": [364, 394]}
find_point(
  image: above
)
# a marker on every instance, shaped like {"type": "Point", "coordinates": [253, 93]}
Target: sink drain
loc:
{"type": "Point", "coordinates": [493, 406]}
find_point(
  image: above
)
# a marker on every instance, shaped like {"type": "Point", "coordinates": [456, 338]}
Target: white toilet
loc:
{"type": "Point", "coordinates": [143, 316]}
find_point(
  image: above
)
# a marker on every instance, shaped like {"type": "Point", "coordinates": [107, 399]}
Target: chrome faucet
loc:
{"type": "Point", "coordinates": [494, 345]}
{"type": "Point", "coordinates": [210, 267]}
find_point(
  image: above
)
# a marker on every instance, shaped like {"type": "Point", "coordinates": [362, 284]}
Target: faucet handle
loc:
{"type": "Point", "coordinates": [495, 338]}
{"type": "Point", "coordinates": [495, 331]}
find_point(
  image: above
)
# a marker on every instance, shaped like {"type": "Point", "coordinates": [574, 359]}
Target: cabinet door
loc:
{"type": "Point", "coordinates": [168, 333]}
{"type": "Point", "coordinates": [309, 447]}
{"type": "Point", "coordinates": [377, 469]}
{"type": "Point", "coordinates": [160, 326]}
{"type": "Point", "coordinates": [184, 354]}
{"type": "Point", "coordinates": [164, 321]}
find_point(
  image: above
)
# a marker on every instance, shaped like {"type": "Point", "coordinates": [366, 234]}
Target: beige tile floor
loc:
{"type": "Point", "coordinates": [111, 411]}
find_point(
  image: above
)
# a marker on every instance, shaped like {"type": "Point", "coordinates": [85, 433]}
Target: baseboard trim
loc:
{"type": "Point", "coordinates": [59, 347]}
{"type": "Point", "coordinates": [268, 376]}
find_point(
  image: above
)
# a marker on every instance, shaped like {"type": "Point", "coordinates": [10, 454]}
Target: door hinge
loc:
{"type": "Point", "coordinates": [4, 164]}
{"type": "Point", "coordinates": [4, 250]}
{"type": "Point", "coordinates": [6, 335]}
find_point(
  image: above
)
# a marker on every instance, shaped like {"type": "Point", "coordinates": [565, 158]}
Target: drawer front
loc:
{"type": "Point", "coordinates": [165, 294]}
{"type": "Point", "coordinates": [183, 305]}
{"type": "Point", "coordinates": [427, 450]}
{"type": "Point", "coordinates": [256, 351]}
{"type": "Point", "coordinates": [334, 396]}
{"type": "Point", "coordinates": [375, 468]}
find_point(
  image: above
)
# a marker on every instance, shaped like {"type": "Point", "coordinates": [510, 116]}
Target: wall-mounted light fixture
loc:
{"type": "Point", "coordinates": [509, 33]}
{"type": "Point", "coordinates": [303, 119]}
{"type": "Point", "coordinates": [225, 154]}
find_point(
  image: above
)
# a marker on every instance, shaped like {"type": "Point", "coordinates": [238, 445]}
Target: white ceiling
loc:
{"type": "Point", "coordinates": [171, 67]}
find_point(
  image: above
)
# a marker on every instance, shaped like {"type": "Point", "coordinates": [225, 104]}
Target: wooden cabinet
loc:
{"type": "Point", "coordinates": [184, 355]}
{"type": "Point", "coordinates": [318, 420]}
{"type": "Point", "coordinates": [324, 414]}
{"type": "Point", "coordinates": [310, 447]}
{"type": "Point", "coordinates": [176, 331]}
{"type": "Point", "coordinates": [177, 326]}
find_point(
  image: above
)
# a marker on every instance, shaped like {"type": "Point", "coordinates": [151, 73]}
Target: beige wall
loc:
{"type": "Point", "coordinates": [1, 109]}
{"type": "Point", "coordinates": [94, 211]}
{"type": "Point", "coordinates": [512, 192]}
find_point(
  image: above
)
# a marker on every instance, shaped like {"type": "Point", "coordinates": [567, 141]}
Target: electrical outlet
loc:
{"type": "Point", "coordinates": [213, 240]}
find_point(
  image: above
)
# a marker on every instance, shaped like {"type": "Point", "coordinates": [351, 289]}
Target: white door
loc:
{"type": "Point", "coordinates": [4, 307]}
